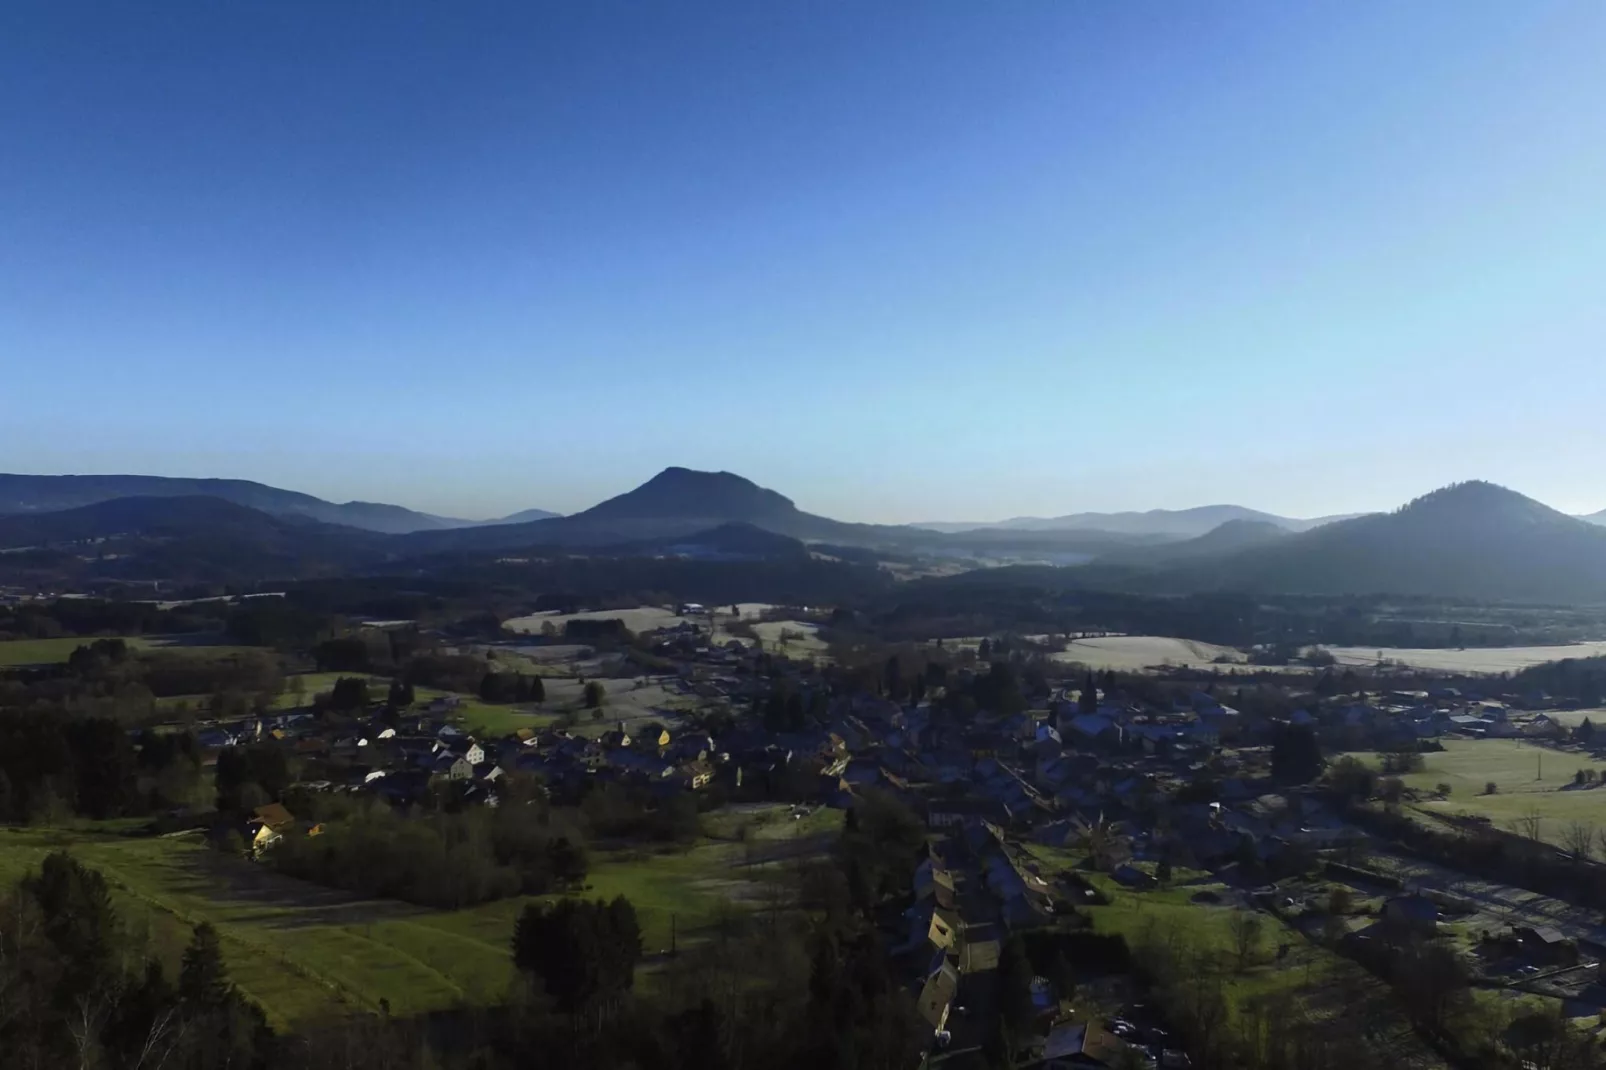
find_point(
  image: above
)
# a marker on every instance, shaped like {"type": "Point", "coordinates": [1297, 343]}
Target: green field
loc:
{"type": "Point", "coordinates": [302, 951]}
{"type": "Point", "coordinates": [55, 651]}
{"type": "Point", "coordinates": [47, 651]}
{"type": "Point", "coordinates": [1530, 780]}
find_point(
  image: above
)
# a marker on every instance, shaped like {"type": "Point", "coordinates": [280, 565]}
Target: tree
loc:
{"type": "Point", "coordinates": [1015, 986]}
{"type": "Point", "coordinates": [537, 689]}
{"type": "Point", "coordinates": [1352, 778]}
{"type": "Point", "coordinates": [892, 679]}
{"type": "Point", "coordinates": [1528, 825]}
{"type": "Point", "coordinates": [1296, 758]}
{"type": "Point", "coordinates": [203, 980]}
{"type": "Point", "coordinates": [1585, 732]}
{"type": "Point", "coordinates": [584, 953]}
{"type": "Point", "coordinates": [1491, 788]}
{"type": "Point", "coordinates": [1088, 700]}
{"type": "Point", "coordinates": [1245, 928]}
{"type": "Point", "coordinates": [1578, 839]}
{"type": "Point", "coordinates": [350, 693]}
{"type": "Point", "coordinates": [594, 695]}
{"type": "Point", "coordinates": [984, 650]}
{"type": "Point", "coordinates": [1340, 901]}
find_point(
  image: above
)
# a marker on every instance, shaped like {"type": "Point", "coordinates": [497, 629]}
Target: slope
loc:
{"type": "Point", "coordinates": [26, 494]}
{"type": "Point", "coordinates": [1169, 523]}
{"type": "Point", "coordinates": [1471, 540]}
{"type": "Point", "coordinates": [183, 539]}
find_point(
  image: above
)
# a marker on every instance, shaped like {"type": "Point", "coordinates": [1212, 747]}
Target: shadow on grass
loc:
{"type": "Point", "coordinates": [280, 902]}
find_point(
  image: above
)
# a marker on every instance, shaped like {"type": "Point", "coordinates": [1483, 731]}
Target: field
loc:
{"type": "Point", "coordinates": [794, 638]}
{"type": "Point", "coordinates": [1473, 660]}
{"type": "Point", "coordinates": [1134, 653]}
{"type": "Point", "coordinates": [14, 652]}
{"type": "Point", "coordinates": [1532, 780]}
{"type": "Point", "coordinates": [639, 619]}
{"type": "Point", "coordinates": [302, 951]}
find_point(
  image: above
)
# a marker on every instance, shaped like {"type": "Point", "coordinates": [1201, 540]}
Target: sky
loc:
{"type": "Point", "coordinates": [931, 260]}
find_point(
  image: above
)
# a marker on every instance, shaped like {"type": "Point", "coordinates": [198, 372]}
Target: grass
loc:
{"type": "Point", "coordinates": [1531, 780]}
{"type": "Point", "coordinates": [47, 651]}
{"type": "Point", "coordinates": [302, 951]}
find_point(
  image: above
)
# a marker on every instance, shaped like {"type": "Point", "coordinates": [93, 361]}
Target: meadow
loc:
{"type": "Point", "coordinates": [1135, 653]}
{"type": "Point", "coordinates": [302, 951]}
{"type": "Point", "coordinates": [1531, 780]}
{"type": "Point", "coordinates": [18, 652]}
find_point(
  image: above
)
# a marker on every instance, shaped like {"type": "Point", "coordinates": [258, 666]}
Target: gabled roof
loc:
{"type": "Point", "coordinates": [273, 815]}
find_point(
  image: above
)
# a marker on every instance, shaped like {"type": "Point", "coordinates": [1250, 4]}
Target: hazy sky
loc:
{"type": "Point", "coordinates": [911, 261]}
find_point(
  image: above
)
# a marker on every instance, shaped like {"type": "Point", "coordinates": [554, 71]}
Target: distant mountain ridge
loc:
{"type": "Point", "coordinates": [1469, 540]}
{"type": "Point", "coordinates": [1173, 523]}
{"type": "Point", "coordinates": [26, 494]}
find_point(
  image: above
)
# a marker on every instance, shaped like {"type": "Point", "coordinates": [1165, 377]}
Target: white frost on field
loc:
{"type": "Point", "coordinates": [1472, 660]}
{"type": "Point", "coordinates": [1134, 653]}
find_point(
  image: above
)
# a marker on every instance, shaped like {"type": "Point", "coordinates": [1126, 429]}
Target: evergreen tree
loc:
{"type": "Point", "coordinates": [1088, 700]}
{"type": "Point", "coordinates": [203, 980]}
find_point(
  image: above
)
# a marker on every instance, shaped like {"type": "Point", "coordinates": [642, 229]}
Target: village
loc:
{"type": "Point", "coordinates": [1038, 817]}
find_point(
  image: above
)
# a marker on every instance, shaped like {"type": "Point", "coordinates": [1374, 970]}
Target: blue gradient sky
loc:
{"type": "Point", "coordinates": [929, 260]}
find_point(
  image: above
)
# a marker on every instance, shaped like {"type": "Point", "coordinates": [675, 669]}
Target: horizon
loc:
{"type": "Point", "coordinates": [606, 495]}
{"type": "Point", "coordinates": [895, 261]}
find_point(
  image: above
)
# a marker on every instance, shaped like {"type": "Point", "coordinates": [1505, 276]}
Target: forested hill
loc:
{"type": "Point", "coordinates": [1472, 540]}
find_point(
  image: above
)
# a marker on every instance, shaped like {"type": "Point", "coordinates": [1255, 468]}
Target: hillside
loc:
{"type": "Point", "coordinates": [734, 541]}
{"type": "Point", "coordinates": [676, 502]}
{"type": "Point", "coordinates": [1472, 540]}
{"type": "Point", "coordinates": [1230, 537]}
{"type": "Point", "coordinates": [1168, 523]}
{"type": "Point", "coordinates": [180, 539]}
{"type": "Point", "coordinates": [23, 494]}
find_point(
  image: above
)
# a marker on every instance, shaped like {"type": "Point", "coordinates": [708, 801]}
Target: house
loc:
{"type": "Point", "coordinates": [267, 826]}
{"type": "Point", "coordinates": [1079, 1045]}
{"type": "Point", "coordinates": [1412, 915]}
{"type": "Point", "coordinates": [1546, 946]}
{"type": "Point", "coordinates": [936, 997]}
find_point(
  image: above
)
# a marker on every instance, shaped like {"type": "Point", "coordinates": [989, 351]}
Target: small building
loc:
{"type": "Point", "coordinates": [1412, 915]}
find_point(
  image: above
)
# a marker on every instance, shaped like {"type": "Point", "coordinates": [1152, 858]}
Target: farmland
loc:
{"type": "Point", "coordinates": [21, 652]}
{"type": "Point", "coordinates": [301, 951]}
{"type": "Point", "coordinates": [1134, 653]}
{"type": "Point", "coordinates": [1531, 781]}
{"type": "Point", "coordinates": [1472, 660]}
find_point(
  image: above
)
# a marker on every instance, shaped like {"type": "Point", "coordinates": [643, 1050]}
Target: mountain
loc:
{"type": "Point", "coordinates": [728, 542]}
{"type": "Point", "coordinates": [675, 502]}
{"type": "Point", "coordinates": [524, 517]}
{"type": "Point", "coordinates": [180, 539]}
{"type": "Point", "coordinates": [36, 494]}
{"type": "Point", "coordinates": [1172, 523]}
{"type": "Point", "coordinates": [1227, 538]}
{"type": "Point", "coordinates": [1595, 518]}
{"type": "Point", "coordinates": [1471, 540]}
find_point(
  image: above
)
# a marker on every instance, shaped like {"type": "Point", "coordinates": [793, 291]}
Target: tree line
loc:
{"type": "Point", "coordinates": [442, 860]}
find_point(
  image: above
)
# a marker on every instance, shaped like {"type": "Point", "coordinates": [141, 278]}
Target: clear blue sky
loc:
{"type": "Point", "coordinates": [903, 261]}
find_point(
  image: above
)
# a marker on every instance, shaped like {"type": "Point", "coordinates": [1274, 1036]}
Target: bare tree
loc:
{"type": "Point", "coordinates": [1578, 839]}
{"type": "Point", "coordinates": [1245, 928]}
{"type": "Point", "coordinates": [1527, 826]}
